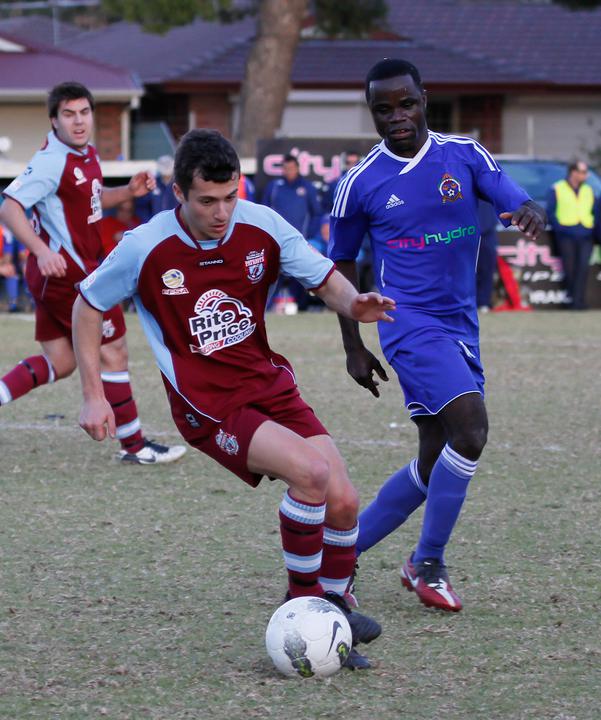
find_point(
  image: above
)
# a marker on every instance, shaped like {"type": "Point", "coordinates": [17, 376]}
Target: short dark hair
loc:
{"type": "Point", "coordinates": [290, 158]}
{"type": "Point", "coordinates": [575, 165]}
{"type": "Point", "coordinates": [392, 67]}
{"type": "Point", "coordinates": [67, 91]}
{"type": "Point", "coordinates": [205, 154]}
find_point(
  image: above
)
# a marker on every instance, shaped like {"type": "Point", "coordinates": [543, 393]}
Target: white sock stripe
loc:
{"type": "Point", "coordinates": [115, 377]}
{"type": "Point", "coordinates": [457, 464]}
{"type": "Point", "coordinates": [459, 459]}
{"type": "Point", "coordinates": [414, 474]}
{"type": "Point", "coordinates": [334, 584]}
{"type": "Point", "coordinates": [308, 514]}
{"type": "Point", "coordinates": [302, 563]}
{"type": "Point", "coordinates": [131, 428]}
{"type": "Point", "coordinates": [5, 395]}
{"type": "Point", "coordinates": [341, 538]}
{"type": "Point", "coordinates": [51, 373]}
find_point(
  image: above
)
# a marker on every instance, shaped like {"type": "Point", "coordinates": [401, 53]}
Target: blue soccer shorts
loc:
{"type": "Point", "coordinates": [434, 368]}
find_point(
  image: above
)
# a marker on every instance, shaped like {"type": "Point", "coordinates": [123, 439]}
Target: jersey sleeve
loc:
{"type": "Point", "coordinates": [348, 222]}
{"type": "Point", "coordinates": [39, 179]}
{"type": "Point", "coordinates": [298, 259]}
{"type": "Point", "coordinates": [117, 277]}
{"type": "Point", "coordinates": [495, 185]}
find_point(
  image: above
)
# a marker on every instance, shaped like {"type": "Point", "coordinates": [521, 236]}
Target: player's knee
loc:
{"type": "Point", "coordinates": [343, 507]}
{"type": "Point", "coordinates": [310, 473]}
{"type": "Point", "coordinates": [318, 474]}
{"type": "Point", "coordinates": [470, 442]}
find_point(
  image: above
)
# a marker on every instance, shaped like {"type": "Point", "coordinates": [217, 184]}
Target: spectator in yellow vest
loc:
{"type": "Point", "coordinates": [570, 210]}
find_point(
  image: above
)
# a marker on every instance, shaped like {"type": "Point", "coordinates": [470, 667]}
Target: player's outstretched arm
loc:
{"type": "Point", "coordinates": [140, 184]}
{"type": "Point", "coordinates": [96, 416]}
{"type": "Point", "coordinates": [530, 218]}
{"type": "Point", "coordinates": [340, 295]}
{"type": "Point", "coordinates": [361, 364]}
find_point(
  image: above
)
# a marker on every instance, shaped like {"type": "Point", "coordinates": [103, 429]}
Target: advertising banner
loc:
{"type": "Point", "coordinates": [539, 272]}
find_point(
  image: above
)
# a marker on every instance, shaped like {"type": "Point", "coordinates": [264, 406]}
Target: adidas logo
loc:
{"type": "Point", "coordinates": [394, 201]}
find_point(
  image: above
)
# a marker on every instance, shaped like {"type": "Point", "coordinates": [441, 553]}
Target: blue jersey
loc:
{"type": "Point", "coordinates": [421, 215]}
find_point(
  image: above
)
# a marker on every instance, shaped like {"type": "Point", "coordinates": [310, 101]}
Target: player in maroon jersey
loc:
{"type": "Point", "coordinates": [200, 276]}
{"type": "Point", "coordinates": [64, 187]}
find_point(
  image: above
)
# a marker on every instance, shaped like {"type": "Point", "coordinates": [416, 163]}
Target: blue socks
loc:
{"type": "Point", "coordinates": [446, 492]}
{"type": "Point", "coordinates": [400, 495]}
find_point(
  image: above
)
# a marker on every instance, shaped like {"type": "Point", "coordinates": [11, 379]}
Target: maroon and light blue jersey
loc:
{"type": "Point", "coordinates": [202, 304]}
{"type": "Point", "coordinates": [64, 187]}
{"type": "Point", "coordinates": [421, 215]}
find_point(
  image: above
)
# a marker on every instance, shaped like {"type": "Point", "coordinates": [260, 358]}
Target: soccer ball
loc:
{"type": "Point", "coordinates": [308, 636]}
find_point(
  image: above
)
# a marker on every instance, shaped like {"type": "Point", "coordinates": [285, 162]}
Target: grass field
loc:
{"type": "Point", "coordinates": [131, 592]}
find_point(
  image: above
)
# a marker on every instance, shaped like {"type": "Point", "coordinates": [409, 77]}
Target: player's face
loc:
{"type": "Point", "coordinates": [74, 122]}
{"type": "Point", "coordinates": [398, 109]}
{"type": "Point", "coordinates": [209, 206]}
{"type": "Point", "coordinates": [290, 171]}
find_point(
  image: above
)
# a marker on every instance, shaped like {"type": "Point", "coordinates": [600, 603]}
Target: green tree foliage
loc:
{"type": "Point", "coordinates": [161, 15]}
{"type": "Point", "coordinates": [351, 18]}
{"type": "Point", "coordinates": [579, 4]}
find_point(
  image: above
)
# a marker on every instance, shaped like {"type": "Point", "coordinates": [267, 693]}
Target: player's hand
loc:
{"type": "Point", "coordinates": [529, 218]}
{"type": "Point", "coordinates": [52, 264]}
{"type": "Point", "coordinates": [8, 270]}
{"type": "Point", "coordinates": [361, 365]}
{"type": "Point", "coordinates": [142, 183]}
{"type": "Point", "coordinates": [97, 419]}
{"type": "Point", "coordinates": [371, 307]}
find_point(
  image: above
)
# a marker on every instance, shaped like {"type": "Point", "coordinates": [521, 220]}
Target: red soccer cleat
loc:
{"type": "Point", "coordinates": [430, 581]}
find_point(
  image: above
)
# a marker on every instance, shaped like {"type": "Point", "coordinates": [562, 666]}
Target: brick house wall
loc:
{"type": "Point", "coordinates": [484, 113]}
{"type": "Point", "coordinates": [212, 110]}
{"type": "Point", "coordinates": [107, 135]}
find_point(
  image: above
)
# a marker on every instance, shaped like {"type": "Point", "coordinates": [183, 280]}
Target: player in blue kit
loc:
{"type": "Point", "coordinates": [416, 194]}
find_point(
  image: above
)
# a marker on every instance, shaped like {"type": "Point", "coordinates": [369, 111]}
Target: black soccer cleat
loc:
{"type": "Point", "coordinates": [356, 661]}
{"type": "Point", "coordinates": [364, 628]}
{"type": "Point", "coordinates": [349, 593]}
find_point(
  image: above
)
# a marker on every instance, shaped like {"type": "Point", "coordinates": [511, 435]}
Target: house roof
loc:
{"type": "Point", "coordinates": [159, 58]}
{"type": "Point", "coordinates": [318, 63]}
{"type": "Point", "coordinates": [452, 42]}
{"type": "Point", "coordinates": [538, 40]}
{"type": "Point", "coordinates": [29, 68]}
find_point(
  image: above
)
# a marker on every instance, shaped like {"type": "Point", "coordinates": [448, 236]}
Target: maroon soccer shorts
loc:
{"type": "Point", "coordinates": [228, 441]}
{"type": "Point", "coordinates": [53, 308]}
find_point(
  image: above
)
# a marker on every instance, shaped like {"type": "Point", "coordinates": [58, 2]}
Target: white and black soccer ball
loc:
{"type": "Point", "coordinates": [308, 636]}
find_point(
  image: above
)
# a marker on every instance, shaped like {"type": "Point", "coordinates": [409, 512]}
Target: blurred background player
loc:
{"type": "Point", "coordinates": [112, 227]}
{"type": "Point", "coordinates": [231, 397]}
{"type": "Point", "coordinates": [13, 256]}
{"type": "Point", "coordinates": [295, 199]}
{"type": "Point", "coordinates": [487, 255]}
{"type": "Point", "coordinates": [64, 186]}
{"type": "Point", "coordinates": [416, 193]}
{"type": "Point", "coordinates": [161, 197]}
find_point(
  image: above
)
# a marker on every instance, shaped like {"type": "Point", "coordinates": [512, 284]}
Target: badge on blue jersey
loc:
{"type": "Point", "coordinates": [450, 188]}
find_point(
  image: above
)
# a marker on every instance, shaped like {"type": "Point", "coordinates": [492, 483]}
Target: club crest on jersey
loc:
{"type": "Point", "coordinates": [227, 442]}
{"type": "Point", "coordinates": [174, 282]}
{"type": "Point", "coordinates": [220, 321]}
{"type": "Point", "coordinates": [79, 176]}
{"type": "Point", "coordinates": [108, 329]}
{"type": "Point", "coordinates": [450, 189]}
{"type": "Point", "coordinates": [255, 265]}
